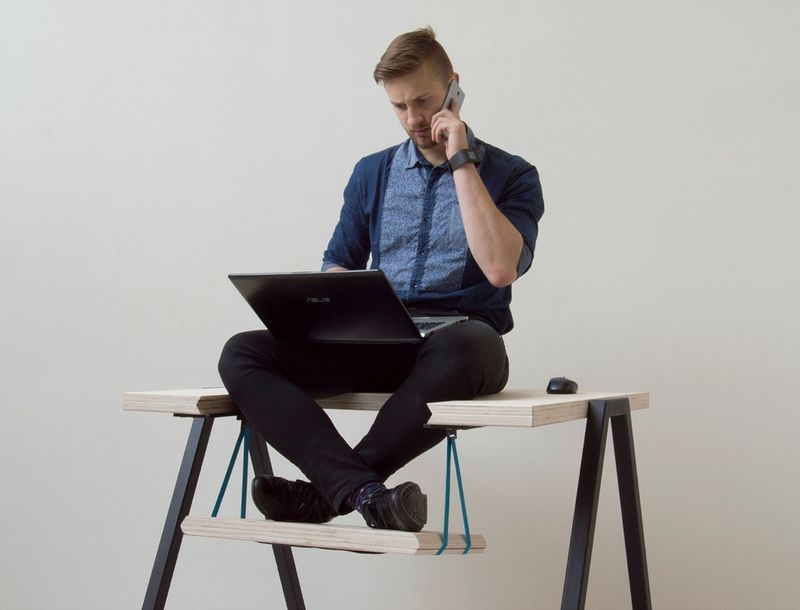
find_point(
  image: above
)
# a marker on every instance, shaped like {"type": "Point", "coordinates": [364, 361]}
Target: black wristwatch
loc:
{"type": "Point", "coordinates": [466, 155]}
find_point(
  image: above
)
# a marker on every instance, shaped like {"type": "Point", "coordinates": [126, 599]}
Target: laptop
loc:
{"type": "Point", "coordinates": [335, 307]}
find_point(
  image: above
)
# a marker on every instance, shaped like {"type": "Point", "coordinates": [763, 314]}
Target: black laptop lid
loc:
{"type": "Point", "coordinates": [328, 307]}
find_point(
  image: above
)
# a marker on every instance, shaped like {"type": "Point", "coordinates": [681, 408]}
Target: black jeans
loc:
{"type": "Point", "coordinates": [274, 384]}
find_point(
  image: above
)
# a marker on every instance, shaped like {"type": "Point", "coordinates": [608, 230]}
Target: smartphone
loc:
{"type": "Point", "coordinates": [455, 93]}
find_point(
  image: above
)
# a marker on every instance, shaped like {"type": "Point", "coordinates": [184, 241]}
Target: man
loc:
{"type": "Point", "coordinates": [451, 231]}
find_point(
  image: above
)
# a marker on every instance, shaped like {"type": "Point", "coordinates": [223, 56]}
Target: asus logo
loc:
{"type": "Point", "coordinates": [318, 300]}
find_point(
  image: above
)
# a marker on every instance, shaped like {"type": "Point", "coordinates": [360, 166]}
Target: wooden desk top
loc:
{"type": "Point", "coordinates": [524, 408]}
{"type": "Point", "coordinates": [215, 401]}
{"type": "Point", "coordinates": [511, 407]}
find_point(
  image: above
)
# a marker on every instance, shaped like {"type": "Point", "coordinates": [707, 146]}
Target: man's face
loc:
{"type": "Point", "coordinates": [416, 97]}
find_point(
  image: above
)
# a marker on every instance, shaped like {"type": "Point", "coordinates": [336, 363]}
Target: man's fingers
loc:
{"type": "Point", "coordinates": [440, 126]}
{"type": "Point", "coordinates": [435, 133]}
{"type": "Point", "coordinates": [436, 128]}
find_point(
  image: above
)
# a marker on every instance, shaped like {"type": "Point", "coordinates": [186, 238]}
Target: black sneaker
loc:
{"type": "Point", "coordinates": [403, 508]}
{"type": "Point", "coordinates": [282, 500]}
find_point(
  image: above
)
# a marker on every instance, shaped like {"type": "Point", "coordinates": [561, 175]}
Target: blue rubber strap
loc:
{"type": "Point", "coordinates": [446, 498]}
{"type": "Point", "coordinates": [245, 461]}
{"type": "Point", "coordinates": [227, 475]}
{"type": "Point", "coordinates": [468, 541]}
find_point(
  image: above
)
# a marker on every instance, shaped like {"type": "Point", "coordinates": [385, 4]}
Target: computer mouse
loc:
{"type": "Point", "coordinates": [561, 385]}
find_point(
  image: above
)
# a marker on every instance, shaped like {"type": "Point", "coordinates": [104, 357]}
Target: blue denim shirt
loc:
{"type": "Point", "coordinates": [403, 213]}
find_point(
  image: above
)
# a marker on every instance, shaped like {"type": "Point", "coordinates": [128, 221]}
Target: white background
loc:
{"type": "Point", "coordinates": [148, 149]}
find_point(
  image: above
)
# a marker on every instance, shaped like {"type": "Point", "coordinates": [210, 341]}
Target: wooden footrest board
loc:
{"type": "Point", "coordinates": [327, 536]}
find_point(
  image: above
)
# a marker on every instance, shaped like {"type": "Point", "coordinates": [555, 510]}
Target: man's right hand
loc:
{"type": "Point", "coordinates": [336, 269]}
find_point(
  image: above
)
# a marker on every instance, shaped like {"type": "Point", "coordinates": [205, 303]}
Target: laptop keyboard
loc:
{"type": "Point", "coordinates": [426, 325]}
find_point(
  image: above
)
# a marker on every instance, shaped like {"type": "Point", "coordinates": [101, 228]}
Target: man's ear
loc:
{"type": "Point", "coordinates": [453, 77]}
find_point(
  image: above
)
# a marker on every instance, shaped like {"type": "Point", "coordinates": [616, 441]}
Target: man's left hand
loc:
{"type": "Point", "coordinates": [447, 126]}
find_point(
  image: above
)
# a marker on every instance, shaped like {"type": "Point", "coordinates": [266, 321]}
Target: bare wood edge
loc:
{"type": "Point", "coordinates": [215, 401]}
{"type": "Point", "coordinates": [494, 410]}
{"type": "Point", "coordinates": [332, 537]}
{"type": "Point", "coordinates": [462, 413]}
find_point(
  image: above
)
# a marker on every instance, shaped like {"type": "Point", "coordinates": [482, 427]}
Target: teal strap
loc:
{"type": "Point", "coordinates": [244, 435]}
{"type": "Point", "coordinates": [452, 452]}
{"type": "Point", "coordinates": [245, 460]}
{"type": "Point", "coordinates": [446, 527]}
{"type": "Point", "coordinates": [467, 537]}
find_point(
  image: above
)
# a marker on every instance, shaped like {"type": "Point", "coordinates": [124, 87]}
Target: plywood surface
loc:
{"type": "Point", "coordinates": [511, 407]}
{"type": "Point", "coordinates": [524, 408]}
{"type": "Point", "coordinates": [215, 401]}
{"type": "Point", "coordinates": [328, 536]}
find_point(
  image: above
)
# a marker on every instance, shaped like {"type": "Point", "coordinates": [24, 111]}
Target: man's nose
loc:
{"type": "Point", "coordinates": [415, 117]}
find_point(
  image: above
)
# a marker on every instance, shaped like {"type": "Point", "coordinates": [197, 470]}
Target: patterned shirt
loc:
{"type": "Point", "coordinates": [403, 212]}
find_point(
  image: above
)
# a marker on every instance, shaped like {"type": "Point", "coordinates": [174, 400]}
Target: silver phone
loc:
{"type": "Point", "coordinates": [454, 93]}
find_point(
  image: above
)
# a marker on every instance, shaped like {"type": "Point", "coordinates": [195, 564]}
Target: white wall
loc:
{"type": "Point", "coordinates": [147, 149]}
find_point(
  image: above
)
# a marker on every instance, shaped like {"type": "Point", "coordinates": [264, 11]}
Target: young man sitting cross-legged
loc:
{"type": "Point", "coordinates": [451, 230]}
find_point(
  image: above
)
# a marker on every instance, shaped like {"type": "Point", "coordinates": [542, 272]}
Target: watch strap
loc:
{"type": "Point", "coordinates": [465, 155]}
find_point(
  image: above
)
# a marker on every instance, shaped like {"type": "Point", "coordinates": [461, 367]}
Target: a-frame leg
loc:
{"type": "Point", "coordinates": [622, 432]}
{"type": "Point", "coordinates": [283, 554]}
{"type": "Point", "coordinates": [171, 536]}
{"type": "Point", "coordinates": [617, 411]}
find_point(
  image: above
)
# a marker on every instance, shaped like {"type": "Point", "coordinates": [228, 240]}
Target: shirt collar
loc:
{"type": "Point", "coordinates": [413, 158]}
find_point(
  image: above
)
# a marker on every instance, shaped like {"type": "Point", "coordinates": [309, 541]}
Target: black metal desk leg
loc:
{"type": "Point", "coordinates": [179, 506]}
{"type": "Point", "coordinates": [631, 511]}
{"type": "Point", "coordinates": [580, 544]}
{"type": "Point", "coordinates": [283, 554]}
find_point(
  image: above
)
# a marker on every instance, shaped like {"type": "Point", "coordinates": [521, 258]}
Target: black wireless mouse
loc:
{"type": "Point", "coordinates": [561, 385]}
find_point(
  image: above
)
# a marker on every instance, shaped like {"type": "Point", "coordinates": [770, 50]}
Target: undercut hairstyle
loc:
{"type": "Point", "coordinates": [409, 51]}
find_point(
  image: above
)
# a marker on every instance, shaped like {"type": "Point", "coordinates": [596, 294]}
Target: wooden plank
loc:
{"type": "Point", "coordinates": [197, 401]}
{"type": "Point", "coordinates": [511, 407]}
{"type": "Point", "coordinates": [328, 536]}
{"type": "Point", "coordinates": [215, 401]}
{"type": "Point", "coordinates": [524, 408]}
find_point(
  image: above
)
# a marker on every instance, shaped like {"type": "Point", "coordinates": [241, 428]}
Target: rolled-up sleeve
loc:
{"type": "Point", "coordinates": [522, 203]}
{"type": "Point", "coordinates": [349, 246]}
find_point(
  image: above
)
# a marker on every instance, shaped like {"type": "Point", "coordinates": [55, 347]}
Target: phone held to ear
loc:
{"type": "Point", "coordinates": [454, 93]}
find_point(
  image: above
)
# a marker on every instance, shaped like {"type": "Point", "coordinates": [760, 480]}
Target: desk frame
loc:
{"type": "Point", "coordinates": [618, 413]}
{"type": "Point", "coordinates": [600, 414]}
